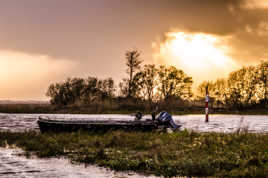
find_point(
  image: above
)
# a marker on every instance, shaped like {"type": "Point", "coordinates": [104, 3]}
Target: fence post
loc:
{"type": "Point", "coordinates": [207, 100]}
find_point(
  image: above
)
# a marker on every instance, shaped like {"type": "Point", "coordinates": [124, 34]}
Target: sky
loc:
{"type": "Point", "coordinates": [46, 41]}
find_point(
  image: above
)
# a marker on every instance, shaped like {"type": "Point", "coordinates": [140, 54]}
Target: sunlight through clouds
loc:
{"type": "Point", "coordinates": [201, 55]}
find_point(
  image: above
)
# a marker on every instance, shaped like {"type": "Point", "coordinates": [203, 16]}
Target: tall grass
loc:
{"type": "Point", "coordinates": [185, 153]}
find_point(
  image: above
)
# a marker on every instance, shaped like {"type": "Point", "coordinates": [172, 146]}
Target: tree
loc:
{"type": "Point", "coordinates": [263, 80]}
{"type": "Point", "coordinates": [174, 83]}
{"type": "Point", "coordinates": [236, 89]}
{"type": "Point", "coordinates": [216, 91]}
{"type": "Point", "coordinates": [219, 91]}
{"type": "Point", "coordinates": [201, 89]}
{"type": "Point", "coordinates": [61, 93]}
{"type": "Point", "coordinates": [53, 93]}
{"type": "Point", "coordinates": [250, 91]}
{"type": "Point", "coordinates": [106, 88]}
{"type": "Point", "coordinates": [109, 87]}
{"type": "Point", "coordinates": [145, 82]}
{"type": "Point", "coordinates": [133, 63]}
{"type": "Point", "coordinates": [123, 88]}
{"type": "Point", "coordinates": [89, 92]}
{"type": "Point", "coordinates": [77, 85]}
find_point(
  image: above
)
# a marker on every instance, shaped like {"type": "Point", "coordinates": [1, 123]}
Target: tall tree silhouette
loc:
{"type": "Point", "coordinates": [133, 64]}
{"type": "Point", "coordinates": [145, 81]}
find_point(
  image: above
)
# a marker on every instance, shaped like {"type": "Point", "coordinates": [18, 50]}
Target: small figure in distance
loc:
{"type": "Point", "coordinates": [164, 118]}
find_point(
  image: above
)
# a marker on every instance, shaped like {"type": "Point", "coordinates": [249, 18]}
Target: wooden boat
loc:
{"type": "Point", "coordinates": [46, 124]}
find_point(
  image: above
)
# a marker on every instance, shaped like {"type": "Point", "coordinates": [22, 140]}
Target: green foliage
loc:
{"type": "Point", "coordinates": [179, 154]}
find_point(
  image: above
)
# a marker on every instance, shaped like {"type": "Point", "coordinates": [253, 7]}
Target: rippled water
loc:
{"type": "Point", "coordinates": [217, 123]}
{"type": "Point", "coordinates": [12, 165]}
{"type": "Point", "coordinates": [224, 123]}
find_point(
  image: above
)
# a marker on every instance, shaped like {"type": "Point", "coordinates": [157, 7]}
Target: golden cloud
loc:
{"type": "Point", "coordinates": [28, 76]}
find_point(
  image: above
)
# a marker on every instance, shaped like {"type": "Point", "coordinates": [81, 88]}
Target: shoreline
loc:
{"type": "Point", "coordinates": [185, 153]}
{"type": "Point", "coordinates": [33, 166]}
{"type": "Point", "coordinates": [51, 109]}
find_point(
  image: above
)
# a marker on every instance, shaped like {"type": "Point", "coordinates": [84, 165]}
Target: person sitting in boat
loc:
{"type": "Point", "coordinates": [164, 118]}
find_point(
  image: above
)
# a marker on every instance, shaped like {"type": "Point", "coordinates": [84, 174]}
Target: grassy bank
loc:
{"type": "Point", "coordinates": [104, 109]}
{"type": "Point", "coordinates": [185, 153]}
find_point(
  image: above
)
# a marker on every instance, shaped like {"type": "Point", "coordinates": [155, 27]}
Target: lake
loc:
{"type": "Point", "coordinates": [217, 123]}
{"type": "Point", "coordinates": [12, 165]}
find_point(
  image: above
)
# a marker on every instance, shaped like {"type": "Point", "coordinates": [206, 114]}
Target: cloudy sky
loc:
{"type": "Point", "coordinates": [44, 41]}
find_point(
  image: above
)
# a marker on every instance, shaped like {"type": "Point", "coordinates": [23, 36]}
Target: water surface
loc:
{"type": "Point", "coordinates": [12, 165]}
{"type": "Point", "coordinates": [217, 123]}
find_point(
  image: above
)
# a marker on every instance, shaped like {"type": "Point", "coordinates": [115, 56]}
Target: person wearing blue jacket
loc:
{"type": "Point", "coordinates": [164, 118]}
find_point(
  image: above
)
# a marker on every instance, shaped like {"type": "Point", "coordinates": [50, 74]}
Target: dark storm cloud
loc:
{"type": "Point", "coordinates": [250, 40]}
{"type": "Point", "coordinates": [245, 26]}
{"type": "Point", "coordinates": [95, 32]}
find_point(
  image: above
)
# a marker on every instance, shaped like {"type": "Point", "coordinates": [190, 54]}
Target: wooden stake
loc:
{"type": "Point", "coordinates": [207, 100]}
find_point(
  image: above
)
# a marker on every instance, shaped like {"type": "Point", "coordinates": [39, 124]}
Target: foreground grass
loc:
{"type": "Point", "coordinates": [185, 153]}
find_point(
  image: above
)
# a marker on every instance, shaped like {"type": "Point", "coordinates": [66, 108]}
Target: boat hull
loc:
{"type": "Point", "coordinates": [46, 125]}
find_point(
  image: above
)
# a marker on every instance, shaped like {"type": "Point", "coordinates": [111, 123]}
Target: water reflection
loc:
{"type": "Point", "coordinates": [12, 165]}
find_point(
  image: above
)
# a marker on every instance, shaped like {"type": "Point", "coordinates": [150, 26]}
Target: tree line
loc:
{"type": "Point", "coordinates": [244, 88]}
{"type": "Point", "coordinates": [148, 86]}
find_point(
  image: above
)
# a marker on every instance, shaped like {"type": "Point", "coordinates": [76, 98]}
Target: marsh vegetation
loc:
{"type": "Point", "coordinates": [186, 153]}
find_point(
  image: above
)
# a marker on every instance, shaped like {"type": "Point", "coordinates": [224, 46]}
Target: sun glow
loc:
{"type": "Point", "coordinates": [202, 56]}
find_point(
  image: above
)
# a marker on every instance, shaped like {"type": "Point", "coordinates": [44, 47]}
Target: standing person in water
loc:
{"type": "Point", "coordinates": [166, 119]}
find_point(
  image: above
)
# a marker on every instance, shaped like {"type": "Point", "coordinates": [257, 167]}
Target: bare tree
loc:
{"type": "Point", "coordinates": [133, 63]}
